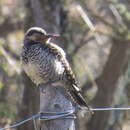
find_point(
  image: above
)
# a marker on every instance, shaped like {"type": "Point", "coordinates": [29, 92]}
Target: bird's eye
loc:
{"type": "Point", "coordinates": [30, 33]}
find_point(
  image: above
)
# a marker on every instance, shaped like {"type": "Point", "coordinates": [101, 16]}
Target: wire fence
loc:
{"type": "Point", "coordinates": [21, 122]}
{"type": "Point", "coordinates": [54, 115]}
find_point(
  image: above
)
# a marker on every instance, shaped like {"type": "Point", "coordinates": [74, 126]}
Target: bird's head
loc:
{"type": "Point", "coordinates": [39, 34]}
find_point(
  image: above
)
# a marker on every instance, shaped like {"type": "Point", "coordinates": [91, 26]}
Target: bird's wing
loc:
{"type": "Point", "coordinates": [68, 76]}
{"type": "Point", "coordinates": [75, 91]}
{"type": "Point", "coordinates": [61, 56]}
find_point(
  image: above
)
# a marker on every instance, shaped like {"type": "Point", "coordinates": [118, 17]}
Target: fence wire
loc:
{"type": "Point", "coordinates": [62, 115]}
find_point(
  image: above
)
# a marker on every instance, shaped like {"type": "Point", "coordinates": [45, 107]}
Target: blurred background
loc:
{"type": "Point", "coordinates": [96, 36]}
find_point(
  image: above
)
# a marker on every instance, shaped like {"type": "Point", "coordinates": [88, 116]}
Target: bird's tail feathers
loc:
{"type": "Point", "coordinates": [79, 99]}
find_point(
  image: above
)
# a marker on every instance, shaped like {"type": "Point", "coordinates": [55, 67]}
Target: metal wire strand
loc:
{"type": "Point", "coordinates": [67, 114]}
{"type": "Point", "coordinates": [21, 122]}
{"type": "Point", "coordinates": [111, 109]}
{"type": "Point", "coordinates": [54, 115]}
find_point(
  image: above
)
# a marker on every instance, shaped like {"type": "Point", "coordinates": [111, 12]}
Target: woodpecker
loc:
{"type": "Point", "coordinates": [45, 62]}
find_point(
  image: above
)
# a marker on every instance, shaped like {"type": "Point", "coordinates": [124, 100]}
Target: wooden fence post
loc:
{"type": "Point", "coordinates": [53, 99]}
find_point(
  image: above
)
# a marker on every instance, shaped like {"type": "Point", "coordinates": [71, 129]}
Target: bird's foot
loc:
{"type": "Point", "coordinates": [90, 111]}
{"type": "Point", "coordinates": [84, 110]}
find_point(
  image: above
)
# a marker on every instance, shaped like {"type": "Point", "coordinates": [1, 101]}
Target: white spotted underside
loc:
{"type": "Point", "coordinates": [47, 67]}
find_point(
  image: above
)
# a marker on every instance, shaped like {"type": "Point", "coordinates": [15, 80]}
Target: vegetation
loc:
{"type": "Point", "coordinates": [94, 33]}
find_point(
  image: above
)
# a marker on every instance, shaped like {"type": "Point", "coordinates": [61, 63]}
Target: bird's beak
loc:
{"type": "Point", "coordinates": [49, 36]}
{"type": "Point", "coordinates": [52, 35]}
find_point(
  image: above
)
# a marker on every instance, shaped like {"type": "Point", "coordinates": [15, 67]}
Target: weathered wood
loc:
{"type": "Point", "coordinates": [53, 99]}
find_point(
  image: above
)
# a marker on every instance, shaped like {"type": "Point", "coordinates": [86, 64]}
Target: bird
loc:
{"type": "Point", "coordinates": [45, 62]}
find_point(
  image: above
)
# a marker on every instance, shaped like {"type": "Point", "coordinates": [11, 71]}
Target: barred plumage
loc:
{"type": "Point", "coordinates": [45, 62]}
